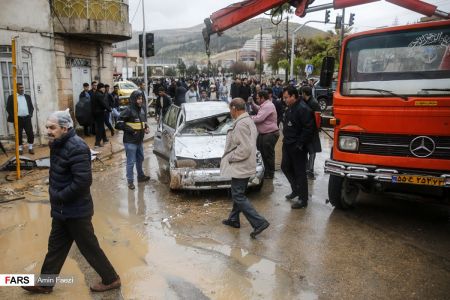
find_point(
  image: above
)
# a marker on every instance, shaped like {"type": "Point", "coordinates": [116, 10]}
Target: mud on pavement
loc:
{"type": "Point", "coordinates": [168, 245]}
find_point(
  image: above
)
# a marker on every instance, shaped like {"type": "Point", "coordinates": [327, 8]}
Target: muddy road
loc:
{"type": "Point", "coordinates": [169, 245]}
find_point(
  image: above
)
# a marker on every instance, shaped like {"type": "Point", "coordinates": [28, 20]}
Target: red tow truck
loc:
{"type": "Point", "coordinates": [391, 112]}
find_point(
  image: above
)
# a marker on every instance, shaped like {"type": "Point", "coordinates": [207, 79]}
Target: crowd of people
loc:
{"type": "Point", "coordinates": [259, 112]}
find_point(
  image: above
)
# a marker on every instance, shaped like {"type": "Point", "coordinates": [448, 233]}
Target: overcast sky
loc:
{"type": "Point", "coordinates": [169, 14]}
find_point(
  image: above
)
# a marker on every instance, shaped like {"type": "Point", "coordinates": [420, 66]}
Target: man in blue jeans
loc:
{"type": "Point", "coordinates": [132, 122]}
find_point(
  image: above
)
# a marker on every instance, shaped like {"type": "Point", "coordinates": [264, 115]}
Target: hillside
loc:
{"type": "Point", "coordinates": [188, 42]}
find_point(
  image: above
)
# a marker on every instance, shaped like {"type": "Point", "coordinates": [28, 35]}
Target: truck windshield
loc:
{"type": "Point", "coordinates": [406, 63]}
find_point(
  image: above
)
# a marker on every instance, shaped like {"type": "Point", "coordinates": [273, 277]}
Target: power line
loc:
{"type": "Point", "coordinates": [135, 12]}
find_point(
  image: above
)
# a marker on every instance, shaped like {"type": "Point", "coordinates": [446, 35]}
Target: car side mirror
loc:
{"type": "Point", "coordinates": [326, 72]}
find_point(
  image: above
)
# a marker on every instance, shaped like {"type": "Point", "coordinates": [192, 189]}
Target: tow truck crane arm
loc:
{"type": "Point", "coordinates": [240, 12]}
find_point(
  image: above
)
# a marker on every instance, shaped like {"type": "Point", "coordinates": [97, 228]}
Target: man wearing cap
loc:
{"type": "Point", "coordinates": [71, 206]}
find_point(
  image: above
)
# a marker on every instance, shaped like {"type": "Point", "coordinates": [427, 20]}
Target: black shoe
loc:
{"type": "Point", "coordinates": [131, 186]}
{"type": "Point", "coordinates": [267, 176]}
{"type": "Point", "coordinates": [31, 151]}
{"type": "Point", "coordinates": [299, 204]}
{"type": "Point", "coordinates": [38, 289]}
{"type": "Point", "coordinates": [143, 178]}
{"type": "Point", "coordinates": [234, 224]}
{"type": "Point", "coordinates": [259, 229]}
{"type": "Point", "coordinates": [291, 196]}
{"type": "Point", "coordinates": [112, 132]}
{"type": "Point", "coordinates": [310, 175]}
{"type": "Point", "coordinates": [20, 152]}
{"type": "Point", "coordinates": [105, 141]}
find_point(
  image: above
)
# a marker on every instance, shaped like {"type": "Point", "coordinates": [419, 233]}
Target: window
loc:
{"type": "Point", "coordinates": [410, 62]}
{"type": "Point", "coordinates": [170, 119]}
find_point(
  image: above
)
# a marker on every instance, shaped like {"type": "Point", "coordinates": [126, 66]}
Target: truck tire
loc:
{"type": "Point", "coordinates": [322, 103]}
{"type": "Point", "coordinates": [342, 193]}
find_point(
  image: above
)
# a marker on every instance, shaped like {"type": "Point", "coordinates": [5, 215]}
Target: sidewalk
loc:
{"type": "Point", "coordinates": [114, 145]}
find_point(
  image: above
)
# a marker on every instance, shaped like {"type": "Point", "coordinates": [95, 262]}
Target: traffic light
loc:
{"type": "Point", "coordinates": [351, 21]}
{"type": "Point", "coordinates": [338, 23]}
{"type": "Point", "coordinates": [149, 45]}
{"type": "Point", "coordinates": [327, 16]}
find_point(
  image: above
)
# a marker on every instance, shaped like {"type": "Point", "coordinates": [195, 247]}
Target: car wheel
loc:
{"type": "Point", "coordinates": [322, 104]}
{"type": "Point", "coordinates": [342, 192]}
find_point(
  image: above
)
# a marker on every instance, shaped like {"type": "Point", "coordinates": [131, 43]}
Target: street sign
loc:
{"type": "Point", "coordinates": [309, 69]}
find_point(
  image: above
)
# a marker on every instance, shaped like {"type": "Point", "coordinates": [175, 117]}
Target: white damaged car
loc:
{"type": "Point", "coordinates": [190, 141]}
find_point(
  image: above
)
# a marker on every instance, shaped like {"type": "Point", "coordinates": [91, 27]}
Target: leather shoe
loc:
{"type": "Point", "coordinates": [31, 151]}
{"type": "Point", "coordinates": [291, 196]}
{"type": "Point", "coordinates": [143, 178]}
{"type": "Point", "coordinates": [234, 224]}
{"type": "Point", "coordinates": [100, 287]}
{"type": "Point", "coordinates": [259, 229]}
{"type": "Point", "coordinates": [131, 186]}
{"type": "Point", "coordinates": [299, 204]}
{"type": "Point", "coordinates": [20, 152]}
{"type": "Point", "coordinates": [38, 289]}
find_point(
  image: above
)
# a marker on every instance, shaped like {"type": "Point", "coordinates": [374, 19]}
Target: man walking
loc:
{"type": "Point", "coordinates": [239, 163]}
{"type": "Point", "coordinates": [71, 206]}
{"type": "Point", "coordinates": [297, 131]}
{"type": "Point", "coordinates": [268, 134]}
{"type": "Point", "coordinates": [132, 122]}
{"type": "Point", "coordinates": [84, 103]}
{"type": "Point", "coordinates": [314, 146]}
{"type": "Point", "coordinates": [25, 111]}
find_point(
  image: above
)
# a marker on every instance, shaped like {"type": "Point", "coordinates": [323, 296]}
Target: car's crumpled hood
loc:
{"type": "Point", "coordinates": [199, 146]}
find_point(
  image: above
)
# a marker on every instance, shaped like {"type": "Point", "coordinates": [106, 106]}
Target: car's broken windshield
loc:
{"type": "Point", "coordinates": [216, 125]}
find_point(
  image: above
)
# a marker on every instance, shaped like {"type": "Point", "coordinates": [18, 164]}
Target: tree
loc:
{"type": "Point", "coordinates": [171, 72]}
{"type": "Point", "coordinates": [192, 70]}
{"type": "Point", "coordinates": [181, 66]}
{"type": "Point", "coordinates": [241, 68]}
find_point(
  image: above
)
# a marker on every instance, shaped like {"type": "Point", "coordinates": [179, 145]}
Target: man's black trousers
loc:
{"type": "Point", "coordinates": [293, 165]}
{"type": "Point", "coordinates": [100, 133]}
{"type": "Point", "coordinates": [25, 124]}
{"type": "Point", "coordinates": [80, 230]}
{"type": "Point", "coordinates": [265, 143]}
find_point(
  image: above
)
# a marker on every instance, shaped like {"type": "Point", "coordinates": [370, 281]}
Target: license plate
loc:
{"type": "Point", "coordinates": [421, 180]}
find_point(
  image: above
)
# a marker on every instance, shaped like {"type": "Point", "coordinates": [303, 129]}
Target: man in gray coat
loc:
{"type": "Point", "coordinates": [239, 163]}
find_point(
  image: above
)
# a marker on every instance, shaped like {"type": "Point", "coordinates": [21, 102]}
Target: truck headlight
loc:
{"type": "Point", "coordinates": [348, 143]}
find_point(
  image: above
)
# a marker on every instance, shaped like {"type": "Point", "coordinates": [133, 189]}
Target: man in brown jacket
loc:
{"type": "Point", "coordinates": [239, 163]}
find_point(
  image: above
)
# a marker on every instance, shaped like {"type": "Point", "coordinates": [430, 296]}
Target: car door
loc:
{"type": "Point", "coordinates": [164, 135]}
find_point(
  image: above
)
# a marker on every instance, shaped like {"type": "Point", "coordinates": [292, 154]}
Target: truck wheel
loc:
{"type": "Point", "coordinates": [322, 104]}
{"type": "Point", "coordinates": [342, 193]}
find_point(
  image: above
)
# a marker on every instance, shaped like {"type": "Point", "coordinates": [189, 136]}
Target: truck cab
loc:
{"type": "Point", "coordinates": [392, 113]}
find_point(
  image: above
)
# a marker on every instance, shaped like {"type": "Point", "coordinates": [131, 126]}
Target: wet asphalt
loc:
{"type": "Point", "coordinates": [172, 245]}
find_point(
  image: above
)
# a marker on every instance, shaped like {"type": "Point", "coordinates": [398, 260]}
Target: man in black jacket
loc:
{"type": "Point", "coordinates": [99, 106]}
{"type": "Point", "coordinates": [71, 206]}
{"type": "Point", "coordinates": [298, 132]}
{"type": "Point", "coordinates": [132, 122]}
{"type": "Point", "coordinates": [25, 111]}
{"type": "Point", "coordinates": [314, 146]}
{"type": "Point", "coordinates": [162, 104]}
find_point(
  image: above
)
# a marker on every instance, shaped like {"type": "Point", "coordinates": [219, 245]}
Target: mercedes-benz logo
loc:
{"type": "Point", "coordinates": [422, 146]}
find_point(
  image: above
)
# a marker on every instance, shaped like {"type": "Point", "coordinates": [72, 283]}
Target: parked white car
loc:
{"type": "Point", "coordinates": [190, 140]}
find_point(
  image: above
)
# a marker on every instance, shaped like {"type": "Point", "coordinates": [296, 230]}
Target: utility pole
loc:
{"type": "Point", "coordinates": [260, 55]}
{"type": "Point", "coordinates": [342, 30]}
{"type": "Point", "coordinates": [144, 44]}
{"type": "Point", "coordinates": [126, 59]}
{"type": "Point", "coordinates": [287, 48]}
{"type": "Point", "coordinates": [16, 65]}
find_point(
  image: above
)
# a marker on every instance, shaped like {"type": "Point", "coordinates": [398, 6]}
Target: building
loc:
{"type": "Point", "coordinates": [69, 43]}
{"type": "Point", "coordinates": [265, 41]}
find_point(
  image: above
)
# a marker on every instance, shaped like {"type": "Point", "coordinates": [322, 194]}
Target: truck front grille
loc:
{"type": "Point", "coordinates": [400, 145]}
